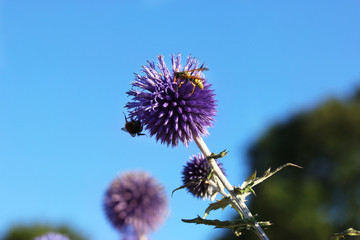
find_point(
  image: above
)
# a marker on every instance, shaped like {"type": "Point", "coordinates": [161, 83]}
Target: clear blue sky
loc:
{"type": "Point", "coordinates": [65, 67]}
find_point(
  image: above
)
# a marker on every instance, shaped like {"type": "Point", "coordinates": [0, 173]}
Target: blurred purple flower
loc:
{"type": "Point", "coordinates": [195, 174]}
{"type": "Point", "coordinates": [52, 236]}
{"type": "Point", "coordinates": [168, 111]}
{"type": "Point", "coordinates": [135, 203]}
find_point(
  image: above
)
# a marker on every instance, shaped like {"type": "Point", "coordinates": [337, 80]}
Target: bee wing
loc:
{"type": "Point", "coordinates": [197, 69]}
{"type": "Point", "coordinates": [195, 77]}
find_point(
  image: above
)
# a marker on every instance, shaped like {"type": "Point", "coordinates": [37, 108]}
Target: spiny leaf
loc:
{"type": "Point", "coordinates": [246, 189]}
{"type": "Point", "coordinates": [189, 184]}
{"type": "Point", "coordinates": [251, 178]}
{"type": "Point", "coordinates": [216, 156]}
{"type": "Point", "coordinates": [223, 203]}
{"type": "Point", "coordinates": [194, 182]}
{"type": "Point", "coordinates": [251, 181]}
{"type": "Point", "coordinates": [268, 173]}
{"type": "Point", "coordinates": [348, 232]}
{"type": "Point", "coordinates": [181, 187]}
{"type": "Point", "coordinates": [210, 175]}
{"type": "Point", "coordinates": [237, 226]}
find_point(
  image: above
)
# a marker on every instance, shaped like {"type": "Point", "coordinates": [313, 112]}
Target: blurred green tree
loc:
{"type": "Point", "coordinates": [324, 197]}
{"type": "Point", "coordinates": [30, 231]}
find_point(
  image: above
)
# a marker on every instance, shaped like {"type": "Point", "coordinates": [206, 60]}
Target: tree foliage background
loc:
{"type": "Point", "coordinates": [324, 197]}
{"type": "Point", "coordinates": [30, 231]}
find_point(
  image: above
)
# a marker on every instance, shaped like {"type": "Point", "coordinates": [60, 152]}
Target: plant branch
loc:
{"type": "Point", "coordinates": [237, 201]}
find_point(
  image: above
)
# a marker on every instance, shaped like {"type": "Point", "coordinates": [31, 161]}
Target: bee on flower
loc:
{"type": "Point", "coordinates": [195, 80]}
{"type": "Point", "coordinates": [133, 127]}
{"type": "Point", "coordinates": [173, 105]}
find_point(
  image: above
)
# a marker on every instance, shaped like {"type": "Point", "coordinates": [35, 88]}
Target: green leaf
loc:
{"type": "Point", "coordinates": [268, 173]}
{"type": "Point", "coordinates": [251, 178]}
{"type": "Point", "coordinates": [194, 182]}
{"type": "Point", "coordinates": [348, 232]}
{"type": "Point", "coordinates": [210, 175]}
{"type": "Point", "coordinates": [237, 226]}
{"type": "Point", "coordinates": [251, 181]}
{"type": "Point", "coordinates": [216, 156]}
{"type": "Point", "coordinates": [181, 187]}
{"type": "Point", "coordinates": [223, 203]}
{"type": "Point", "coordinates": [187, 185]}
{"type": "Point", "coordinates": [246, 189]}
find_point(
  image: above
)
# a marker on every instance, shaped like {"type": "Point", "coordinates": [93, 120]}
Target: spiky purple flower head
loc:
{"type": "Point", "coordinates": [194, 176]}
{"type": "Point", "coordinates": [52, 236]}
{"type": "Point", "coordinates": [169, 111]}
{"type": "Point", "coordinates": [135, 202]}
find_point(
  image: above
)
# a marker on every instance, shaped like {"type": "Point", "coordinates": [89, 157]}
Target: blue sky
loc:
{"type": "Point", "coordinates": [65, 67]}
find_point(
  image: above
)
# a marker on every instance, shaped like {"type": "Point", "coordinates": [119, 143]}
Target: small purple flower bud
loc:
{"type": "Point", "coordinates": [173, 108]}
{"type": "Point", "coordinates": [194, 176]}
{"type": "Point", "coordinates": [52, 236]}
{"type": "Point", "coordinates": [135, 203]}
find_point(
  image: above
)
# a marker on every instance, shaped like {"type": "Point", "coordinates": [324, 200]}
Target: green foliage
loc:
{"type": "Point", "coordinates": [219, 155]}
{"type": "Point", "coordinates": [194, 182]}
{"type": "Point", "coordinates": [348, 232]}
{"type": "Point", "coordinates": [30, 231]}
{"type": "Point", "coordinates": [237, 226]}
{"type": "Point", "coordinates": [247, 187]}
{"type": "Point", "coordinates": [223, 203]}
{"type": "Point", "coordinates": [322, 198]}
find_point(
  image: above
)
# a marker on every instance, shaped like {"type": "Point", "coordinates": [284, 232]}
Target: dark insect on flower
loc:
{"type": "Point", "coordinates": [52, 236]}
{"type": "Point", "coordinates": [194, 176]}
{"type": "Point", "coordinates": [167, 111]}
{"type": "Point", "coordinates": [195, 80]}
{"type": "Point", "coordinates": [135, 203]}
{"type": "Point", "coordinates": [134, 127]}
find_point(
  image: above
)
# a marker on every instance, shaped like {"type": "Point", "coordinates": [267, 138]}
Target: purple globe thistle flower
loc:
{"type": "Point", "coordinates": [135, 203]}
{"type": "Point", "coordinates": [172, 109]}
{"type": "Point", "coordinates": [52, 236]}
{"type": "Point", "coordinates": [194, 176]}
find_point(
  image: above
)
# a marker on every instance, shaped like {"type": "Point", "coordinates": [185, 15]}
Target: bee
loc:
{"type": "Point", "coordinates": [134, 127]}
{"type": "Point", "coordinates": [195, 80]}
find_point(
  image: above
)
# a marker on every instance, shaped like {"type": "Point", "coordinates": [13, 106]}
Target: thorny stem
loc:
{"type": "Point", "coordinates": [237, 201]}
